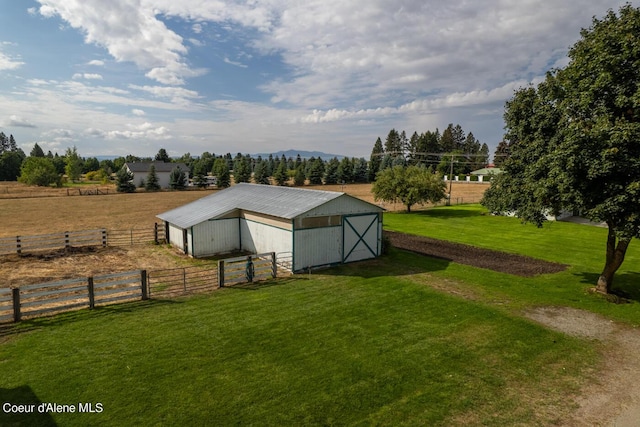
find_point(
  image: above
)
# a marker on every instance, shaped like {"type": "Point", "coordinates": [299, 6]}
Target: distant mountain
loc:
{"type": "Point", "coordinates": [303, 154]}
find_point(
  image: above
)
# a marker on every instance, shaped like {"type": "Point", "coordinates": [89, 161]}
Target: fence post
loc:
{"type": "Point", "coordinates": [155, 232]}
{"type": "Point", "coordinates": [66, 239]}
{"type": "Point", "coordinates": [18, 245]}
{"type": "Point", "coordinates": [274, 266]}
{"type": "Point", "coordinates": [92, 295]}
{"type": "Point", "coordinates": [15, 295]}
{"type": "Point", "coordinates": [143, 284]}
{"type": "Point", "coordinates": [184, 279]}
{"type": "Point", "coordinates": [249, 269]}
{"type": "Point", "coordinates": [221, 273]}
{"type": "Point", "coordinates": [104, 238]}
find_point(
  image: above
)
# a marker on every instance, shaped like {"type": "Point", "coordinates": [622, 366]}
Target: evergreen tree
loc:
{"type": "Point", "coordinates": [220, 170]}
{"type": "Point", "coordinates": [4, 143]}
{"type": "Point", "coordinates": [375, 161]}
{"type": "Point", "coordinates": [13, 146]}
{"type": "Point", "coordinates": [280, 176]}
{"type": "Point", "coordinates": [73, 164]}
{"type": "Point", "coordinates": [36, 151]}
{"type": "Point", "coordinates": [447, 140]}
{"type": "Point", "coordinates": [298, 177]}
{"type": "Point", "coordinates": [260, 174]}
{"type": "Point", "coordinates": [316, 171]}
{"type": "Point", "coordinates": [177, 179]}
{"type": "Point", "coordinates": [345, 171]}
{"type": "Point", "coordinates": [152, 183]}
{"type": "Point", "coordinates": [124, 181]}
{"type": "Point", "coordinates": [163, 156]}
{"type": "Point", "coordinates": [331, 172]}
{"type": "Point", "coordinates": [393, 144]}
{"type": "Point", "coordinates": [501, 154]}
{"type": "Point", "coordinates": [241, 169]}
{"type": "Point", "coordinates": [360, 171]}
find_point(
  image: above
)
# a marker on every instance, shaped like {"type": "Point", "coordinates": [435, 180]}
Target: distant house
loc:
{"type": "Point", "coordinates": [140, 170]}
{"type": "Point", "coordinates": [485, 174]}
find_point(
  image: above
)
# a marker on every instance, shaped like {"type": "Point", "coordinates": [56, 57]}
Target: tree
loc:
{"type": "Point", "coordinates": [152, 183]}
{"type": "Point", "coordinates": [10, 163]}
{"type": "Point", "coordinates": [316, 171]}
{"type": "Point", "coordinates": [298, 176]}
{"type": "Point", "coordinates": [501, 154]}
{"type": "Point", "coordinates": [376, 159]}
{"type": "Point", "coordinates": [90, 164]}
{"type": "Point", "coordinates": [163, 156]}
{"type": "Point", "coordinates": [73, 164]}
{"type": "Point", "coordinates": [39, 171]}
{"type": "Point", "coordinates": [280, 176]}
{"type": "Point", "coordinates": [260, 174]}
{"type": "Point", "coordinates": [124, 181]}
{"type": "Point", "coordinates": [574, 139]}
{"type": "Point", "coordinates": [394, 143]}
{"type": "Point", "coordinates": [177, 179]}
{"type": "Point", "coordinates": [331, 171]}
{"type": "Point", "coordinates": [409, 185]}
{"type": "Point", "coordinates": [242, 169]}
{"type": "Point", "coordinates": [221, 171]}
{"type": "Point", "coordinates": [36, 151]}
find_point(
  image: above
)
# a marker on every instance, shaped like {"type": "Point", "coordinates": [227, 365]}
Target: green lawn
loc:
{"type": "Point", "coordinates": [402, 340]}
{"type": "Point", "coordinates": [581, 247]}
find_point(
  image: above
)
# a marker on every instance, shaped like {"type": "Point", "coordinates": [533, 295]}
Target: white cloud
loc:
{"type": "Point", "coordinates": [96, 62]}
{"type": "Point", "coordinates": [17, 121]}
{"type": "Point", "coordinates": [138, 112]}
{"type": "Point", "coordinates": [235, 63]}
{"type": "Point", "coordinates": [144, 131]}
{"type": "Point", "coordinates": [8, 63]}
{"type": "Point", "coordinates": [87, 76]}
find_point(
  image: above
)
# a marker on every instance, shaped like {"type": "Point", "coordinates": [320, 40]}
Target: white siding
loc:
{"type": "Point", "coordinates": [317, 246]}
{"type": "Point", "coordinates": [176, 237]}
{"type": "Point", "coordinates": [217, 236]}
{"type": "Point", "coordinates": [259, 237]}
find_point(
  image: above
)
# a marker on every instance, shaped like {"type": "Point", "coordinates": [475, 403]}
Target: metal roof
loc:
{"type": "Point", "coordinates": [282, 202]}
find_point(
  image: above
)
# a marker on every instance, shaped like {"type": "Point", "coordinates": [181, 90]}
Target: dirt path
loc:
{"type": "Point", "coordinates": [615, 399]}
{"type": "Point", "coordinates": [612, 401]}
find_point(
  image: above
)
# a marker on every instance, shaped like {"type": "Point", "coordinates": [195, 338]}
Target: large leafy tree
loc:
{"type": "Point", "coordinates": [575, 139]}
{"type": "Point", "coordinates": [73, 164]}
{"type": "Point", "coordinates": [39, 171]}
{"type": "Point", "coordinates": [220, 170]}
{"type": "Point", "coordinates": [409, 185]}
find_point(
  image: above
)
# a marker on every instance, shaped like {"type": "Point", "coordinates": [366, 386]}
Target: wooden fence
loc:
{"type": "Point", "coordinates": [54, 297]}
{"type": "Point", "coordinates": [176, 281]}
{"type": "Point", "coordinates": [247, 269]}
{"type": "Point", "coordinates": [43, 299]}
{"type": "Point", "coordinates": [74, 239]}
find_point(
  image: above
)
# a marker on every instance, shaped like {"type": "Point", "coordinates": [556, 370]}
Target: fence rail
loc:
{"type": "Point", "coordinates": [74, 239]}
{"type": "Point", "coordinates": [248, 268]}
{"type": "Point", "coordinates": [177, 281]}
{"type": "Point", "coordinates": [43, 299]}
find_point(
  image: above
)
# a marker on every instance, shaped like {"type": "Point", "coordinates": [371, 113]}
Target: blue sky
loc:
{"type": "Point", "coordinates": [124, 77]}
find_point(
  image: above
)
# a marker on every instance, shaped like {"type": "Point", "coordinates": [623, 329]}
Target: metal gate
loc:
{"type": "Point", "coordinates": [360, 237]}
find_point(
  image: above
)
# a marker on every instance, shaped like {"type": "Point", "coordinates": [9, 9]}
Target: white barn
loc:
{"type": "Point", "coordinates": [315, 228]}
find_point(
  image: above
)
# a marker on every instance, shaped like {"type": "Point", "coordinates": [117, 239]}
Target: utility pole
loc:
{"type": "Point", "coordinates": [450, 182]}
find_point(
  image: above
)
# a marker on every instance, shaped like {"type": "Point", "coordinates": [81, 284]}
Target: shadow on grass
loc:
{"type": "Point", "coordinates": [395, 263]}
{"type": "Point", "coordinates": [255, 286]}
{"type": "Point", "coordinates": [23, 395]}
{"type": "Point", "coordinates": [447, 212]}
{"type": "Point", "coordinates": [625, 285]}
{"type": "Point", "coordinates": [37, 323]}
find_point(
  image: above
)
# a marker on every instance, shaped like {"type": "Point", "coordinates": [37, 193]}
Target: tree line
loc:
{"type": "Point", "coordinates": [450, 151]}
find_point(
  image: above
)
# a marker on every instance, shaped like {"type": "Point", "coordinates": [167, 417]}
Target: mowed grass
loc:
{"type": "Point", "coordinates": [579, 246]}
{"type": "Point", "coordinates": [363, 344]}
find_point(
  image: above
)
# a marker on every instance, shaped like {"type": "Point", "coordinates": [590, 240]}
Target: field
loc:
{"type": "Point", "coordinates": [401, 340]}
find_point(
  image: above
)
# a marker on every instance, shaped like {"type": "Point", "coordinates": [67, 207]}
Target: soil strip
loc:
{"type": "Point", "coordinates": [502, 262]}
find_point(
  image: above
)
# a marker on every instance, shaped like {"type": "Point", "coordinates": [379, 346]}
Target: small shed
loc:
{"type": "Point", "coordinates": [314, 228]}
